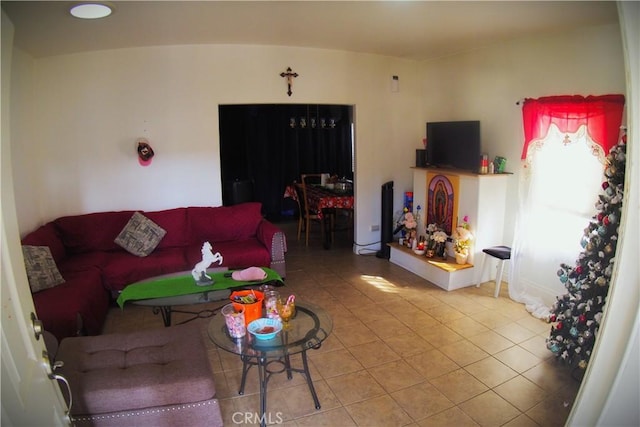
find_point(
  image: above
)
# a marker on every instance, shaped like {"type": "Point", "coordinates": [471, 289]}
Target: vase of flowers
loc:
{"type": "Point", "coordinates": [462, 238]}
{"type": "Point", "coordinates": [440, 237]}
{"type": "Point", "coordinates": [436, 239]}
{"type": "Point", "coordinates": [461, 258]}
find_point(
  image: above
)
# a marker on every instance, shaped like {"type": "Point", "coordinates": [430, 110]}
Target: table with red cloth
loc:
{"type": "Point", "coordinates": [322, 198]}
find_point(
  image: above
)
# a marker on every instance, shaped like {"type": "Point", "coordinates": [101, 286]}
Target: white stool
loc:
{"type": "Point", "coordinates": [502, 253]}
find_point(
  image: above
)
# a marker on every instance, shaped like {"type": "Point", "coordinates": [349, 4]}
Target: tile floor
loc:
{"type": "Point", "coordinates": [402, 352]}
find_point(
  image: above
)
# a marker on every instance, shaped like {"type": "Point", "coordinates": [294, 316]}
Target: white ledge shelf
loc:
{"type": "Point", "coordinates": [446, 274]}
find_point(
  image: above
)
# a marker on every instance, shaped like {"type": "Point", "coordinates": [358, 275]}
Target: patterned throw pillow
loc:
{"type": "Point", "coordinates": [42, 270]}
{"type": "Point", "coordinates": [140, 236]}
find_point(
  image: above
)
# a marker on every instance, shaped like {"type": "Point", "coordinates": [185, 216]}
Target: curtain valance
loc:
{"type": "Point", "coordinates": [602, 115]}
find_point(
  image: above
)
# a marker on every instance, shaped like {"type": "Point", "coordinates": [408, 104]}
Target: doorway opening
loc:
{"type": "Point", "coordinates": [266, 147]}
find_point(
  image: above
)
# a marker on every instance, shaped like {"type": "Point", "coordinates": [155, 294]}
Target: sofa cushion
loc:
{"type": "Point", "coordinates": [81, 303]}
{"type": "Point", "coordinates": [174, 221]}
{"type": "Point", "coordinates": [223, 223]}
{"type": "Point", "coordinates": [42, 271]}
{"type": "Point", "coordinates": [92, 232]}
{"type": "Point", "coordinates": [122, 268]}
{"type": "Point", "coordinates": [140, 235]}
{"type": "Point", "coordinates": [83, 262]}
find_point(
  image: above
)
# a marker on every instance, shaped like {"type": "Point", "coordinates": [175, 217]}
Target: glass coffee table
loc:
{"type": "Point", "coordinates": [163, 293]}
{"type": "Point", "coordinates": [307, 330]}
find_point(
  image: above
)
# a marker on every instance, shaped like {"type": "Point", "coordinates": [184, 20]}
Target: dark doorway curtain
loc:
{"type": "Point", "coordinates": [267, 146]}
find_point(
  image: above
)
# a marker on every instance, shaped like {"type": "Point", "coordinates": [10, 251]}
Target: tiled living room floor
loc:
{"type": "Point", "coordinates": [402, 352]}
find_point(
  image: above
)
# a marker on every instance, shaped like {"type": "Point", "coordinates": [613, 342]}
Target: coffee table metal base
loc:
{"type": "Point", "coordinates": [264, 374]}
{"type": "Point", "coordinates": [165, 305]}
{"type": "Point", "coordinates": [166, 310]}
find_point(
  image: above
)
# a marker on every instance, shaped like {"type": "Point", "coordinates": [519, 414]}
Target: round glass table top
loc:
{"type": "Point", "coordinates": [307, 329]}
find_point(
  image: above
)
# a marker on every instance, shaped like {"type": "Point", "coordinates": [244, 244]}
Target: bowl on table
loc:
{"type": "Point", "coordinates": [265, 328]}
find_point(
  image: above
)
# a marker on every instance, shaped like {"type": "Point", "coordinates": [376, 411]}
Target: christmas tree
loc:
{"type": "Point", "coordinates": [576, 315]}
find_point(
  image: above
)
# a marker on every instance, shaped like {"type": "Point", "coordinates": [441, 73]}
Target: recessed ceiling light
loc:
{"type": "Point", "coordinates": [91, 10]}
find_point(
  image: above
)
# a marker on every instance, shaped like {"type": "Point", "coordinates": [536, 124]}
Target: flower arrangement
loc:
{"type": "Point", "coordinates": [436, 239]}
{"type": "Point", "coordinates": [407, 224]}
{"type": "Point", "coordinates": [462, 237]}
{"type": "Point", "coordinates": [407, 221]}
{"type": "Point", "coordinates": [439, 237]}
{"type": "Point", "coordinates": [430, 230]}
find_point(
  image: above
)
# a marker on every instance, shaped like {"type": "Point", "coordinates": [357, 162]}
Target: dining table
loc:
{"type": "Point", "coordinates": [322, 199]}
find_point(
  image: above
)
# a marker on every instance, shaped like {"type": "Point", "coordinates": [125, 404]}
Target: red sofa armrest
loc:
{"type": "Point", "coordinates": [275, 241]}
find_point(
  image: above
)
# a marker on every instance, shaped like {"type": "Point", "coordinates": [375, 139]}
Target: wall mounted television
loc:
{"type": "Point", "coordinates": [454, 144]}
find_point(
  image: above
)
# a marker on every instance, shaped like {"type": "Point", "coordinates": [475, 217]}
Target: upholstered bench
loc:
{"type": "Point", "coordinates": [159, 377]}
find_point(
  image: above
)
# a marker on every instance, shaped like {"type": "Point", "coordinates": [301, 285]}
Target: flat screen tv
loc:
{"type": "Point", "coordinates": [454, 145]}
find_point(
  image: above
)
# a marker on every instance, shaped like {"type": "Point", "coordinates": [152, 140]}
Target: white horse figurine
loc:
{"type": "Point", "coordinates": [199, 272]}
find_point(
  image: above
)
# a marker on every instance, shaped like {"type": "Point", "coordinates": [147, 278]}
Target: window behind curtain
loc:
{"type": "Point", "coordinates": [566, 141]}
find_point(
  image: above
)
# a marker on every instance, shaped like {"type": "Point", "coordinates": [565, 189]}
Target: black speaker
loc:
{"type": "Point", "coordinates": [421, 158]}
{"type": "Point", "coordinates": [386, 221]}
{"type": "Point", "coordinates": [238, 191]}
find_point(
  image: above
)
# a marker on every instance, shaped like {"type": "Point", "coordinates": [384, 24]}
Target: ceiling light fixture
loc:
{"type": "Point", "coordinates": [91, 10]}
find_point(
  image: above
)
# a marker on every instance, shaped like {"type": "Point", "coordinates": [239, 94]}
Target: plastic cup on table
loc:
{"type": "Point", "coordinates": [234, 319]}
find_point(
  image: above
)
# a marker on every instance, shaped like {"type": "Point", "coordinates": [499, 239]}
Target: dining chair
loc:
{"type": "Point", "coordinates": [310, 214]}
{"type": "Point", "coordinates": [300, 201]}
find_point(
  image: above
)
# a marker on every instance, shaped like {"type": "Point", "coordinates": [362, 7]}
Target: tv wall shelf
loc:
{"type": "Point", "coordinates": [460, 171]}
{"type": "Point", "coordinates": [482, 197]}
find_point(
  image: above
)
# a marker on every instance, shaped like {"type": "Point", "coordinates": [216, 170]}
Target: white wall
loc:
{"type": "Point", "coordinates": [76, 150]}
{"type": "Point", "coordinates": [486, 84]}
{"type": "Point", "coordinates": [27, 184]}
{"type": "Point", "coordinates": [76, 117]}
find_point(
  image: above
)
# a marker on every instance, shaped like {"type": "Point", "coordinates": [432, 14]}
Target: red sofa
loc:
{"type": "Point", "coordinates": [95, 268]}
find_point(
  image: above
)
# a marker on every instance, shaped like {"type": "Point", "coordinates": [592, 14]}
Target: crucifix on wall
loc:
{"type": "Point", "coordinates": [289, 75]}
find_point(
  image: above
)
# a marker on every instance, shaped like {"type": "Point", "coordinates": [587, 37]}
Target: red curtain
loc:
{"type": "Point", "coordinates": [601, 114]}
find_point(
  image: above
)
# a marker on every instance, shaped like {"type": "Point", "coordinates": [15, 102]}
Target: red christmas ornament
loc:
{"type": "Point", "coordinates": [600, 216]}
{"type": "Point", "coordinates": [579, 269]}
{"type": "Point", "coordinates": [582, 318]}
{"type": "Point", "coordinates": [559, 326]}
{"type": "Point", "coordinates": [553, 318]}
{"type": "Point", "coordinates": [605, 185]}
{"type": "Point", "coordinates": [605, 220]}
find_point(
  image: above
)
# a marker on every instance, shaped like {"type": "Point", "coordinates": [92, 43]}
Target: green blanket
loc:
{"type": "Point", "coordinates": [185, 285]}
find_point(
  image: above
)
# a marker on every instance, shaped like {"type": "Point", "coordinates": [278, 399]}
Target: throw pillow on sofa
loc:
{"type": "Point", "coordinates": [140, 236]}
{"type": "Point", "coordinates": [42, 270]}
